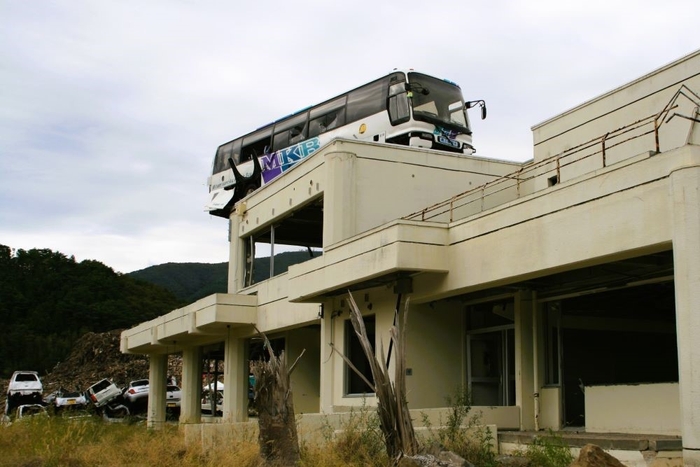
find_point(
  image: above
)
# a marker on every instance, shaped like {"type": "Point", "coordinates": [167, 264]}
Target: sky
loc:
{"type": "Point", "coordinates": [111, 110]}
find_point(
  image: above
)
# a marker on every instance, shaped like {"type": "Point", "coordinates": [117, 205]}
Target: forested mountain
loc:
{"type": "Point", "coordinates": [192, 281]}
{"type": "Point", "coordinates": [48, 300]}
{"type": "Point", "coordinates": [187, 281]}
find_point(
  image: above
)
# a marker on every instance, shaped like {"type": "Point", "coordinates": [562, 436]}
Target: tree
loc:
{"type": "Point", "coordinates": [392, 406]}
{"type": "Point", "coordinates": [278, 439]}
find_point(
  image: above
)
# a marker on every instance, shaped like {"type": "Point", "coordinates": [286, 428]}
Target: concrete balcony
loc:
{"type": "Point", "coordinates": [198, 323]}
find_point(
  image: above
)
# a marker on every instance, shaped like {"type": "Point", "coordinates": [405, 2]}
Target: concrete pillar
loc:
{"type": "Point", "coordinates": [191, 404]}
{"type": "Point", "coordinates": [236, 264]}
{"type": "Point", "coordinates": [685, 191]}
{"type": "Point", "coordinates": [157, 376]}
{"type": "Point", "coordinates": [235, 380]}
{"type": "Point", "coordinates": [326, 374]}
{"type": "Point", "coordinates": [524, 362]}
{"type": "Point", "coordinates": [340, 219]}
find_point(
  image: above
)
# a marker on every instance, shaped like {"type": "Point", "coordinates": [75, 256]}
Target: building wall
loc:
{"type": "Point", "coordinates": [435, 353]}
{"type": "Point", "coordinates": [305, 379]}
{"type": "Point", "coordinates": [641, 408]}
{"type": "Point", "coordinates": [621, 107]}
{"type": "Point", "coordinates": [369, 185]}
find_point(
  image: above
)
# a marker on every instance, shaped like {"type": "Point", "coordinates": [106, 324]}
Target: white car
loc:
{"type": "Point", "coordinates": [137, 391]}
{"type": "Point", "coordinates": [103, 392]}
{"type": "Point", "coordinates": [31, 410]}
{"type": "Point", "coordinates": [69, 400]}
{"type": "Point", "coordinates": [207, 397]}
{"type": "Point", "coordinates": [24, 388]}
{"type": "Point", "coordinates": [173, 397]}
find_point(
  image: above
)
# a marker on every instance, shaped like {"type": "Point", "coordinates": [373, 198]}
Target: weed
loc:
{"type": "Point", "coordinates": [548, 451]}
{"type": "Point", "coordinates": [461, 433]}
{"type": "Point", "coordinates": [357, 442]}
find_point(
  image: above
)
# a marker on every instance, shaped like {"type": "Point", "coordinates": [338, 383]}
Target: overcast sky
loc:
{"type": "Point", "coordinates": [111, 111]}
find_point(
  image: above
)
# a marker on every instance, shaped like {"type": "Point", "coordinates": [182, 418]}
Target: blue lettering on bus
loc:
{"type": "Point", "coordinates": [279, 161]}
{"type": "Point", "coordinates": [269, 162]}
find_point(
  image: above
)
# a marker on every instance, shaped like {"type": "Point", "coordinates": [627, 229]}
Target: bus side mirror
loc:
{"type": "Point", "coordinates": [480, 103]}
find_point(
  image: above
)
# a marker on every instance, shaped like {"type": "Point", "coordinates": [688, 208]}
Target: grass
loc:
{"type": "Point", "coordinates": [462, 433]}
{"type": "Point", "coordinates": [548, 451]}
{"type": "Point", "coordinates": [60, 442]}
{"type": "Point", "coordinates": [55, 441]}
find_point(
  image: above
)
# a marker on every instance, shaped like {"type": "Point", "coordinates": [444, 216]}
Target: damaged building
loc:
{"type": "Point", "coordinates": [563, 292]}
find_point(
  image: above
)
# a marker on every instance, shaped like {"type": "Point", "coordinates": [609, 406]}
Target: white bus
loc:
{"type": "Point", "coordinates": [406, 108]}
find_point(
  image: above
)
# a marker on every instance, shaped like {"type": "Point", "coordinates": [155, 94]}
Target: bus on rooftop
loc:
{"type": "Point", "coordinates": [405, 108]}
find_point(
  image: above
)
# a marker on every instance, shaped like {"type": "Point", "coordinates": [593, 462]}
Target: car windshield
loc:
{"type": "Point", "coordinates": [438, 102]}
{"type": "Point", "coordinates": [26, 377]}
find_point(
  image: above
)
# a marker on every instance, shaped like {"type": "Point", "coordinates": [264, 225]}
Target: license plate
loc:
{"type": "Point", "coordinates": [448, 142]}
{"type": "Point", "coordinates": [172, 404]}
{"type": "Point", "coordinates": [71, 401]}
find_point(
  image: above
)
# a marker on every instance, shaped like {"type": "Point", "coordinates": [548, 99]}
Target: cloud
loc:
{"type": "Point", "coordinates": [112, 111]}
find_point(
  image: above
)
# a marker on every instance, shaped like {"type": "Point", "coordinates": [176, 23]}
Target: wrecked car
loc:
{"type": "Point", "coordinates": [24, 388]}
{"type": "Point", "coordinates": [137, 391]}
{"type": "Point", "coordinates": [107, 398]}
{"type": "Point", "coordinates": [30, 410]}
{"type": "Point", "coordinates": [63, 399]}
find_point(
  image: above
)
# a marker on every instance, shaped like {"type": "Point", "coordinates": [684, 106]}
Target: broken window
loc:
{"type": "Point", "coordinates": [354, 384]}
{"type": "Point", "coordinates": [294, 239]}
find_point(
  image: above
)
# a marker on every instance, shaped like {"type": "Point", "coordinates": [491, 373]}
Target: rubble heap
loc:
{"type": "Point", "coordinates": [96, 356]}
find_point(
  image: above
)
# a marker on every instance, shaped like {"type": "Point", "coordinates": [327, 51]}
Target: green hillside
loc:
{"type": "Point", "coordinates": [187, 281]}
{"type": "Point", "coordinates": [48, 300]}
{"type": "Point", "coordinates": [192, 281]}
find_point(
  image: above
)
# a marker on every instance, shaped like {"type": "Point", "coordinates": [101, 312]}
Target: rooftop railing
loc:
{"type": "Point", "coordinates": [597, 151]}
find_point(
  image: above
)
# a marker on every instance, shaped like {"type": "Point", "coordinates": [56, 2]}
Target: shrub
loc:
{"type": "Point", "coordinates": [548, 451]}
{"type": "Point", "coordinates": [357, 442]}
{"type": "Point", "coordinates": [463, 434]}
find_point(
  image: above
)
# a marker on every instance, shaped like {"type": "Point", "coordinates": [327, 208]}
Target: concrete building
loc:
{"type": "Point", "coordinates": [563, 292]}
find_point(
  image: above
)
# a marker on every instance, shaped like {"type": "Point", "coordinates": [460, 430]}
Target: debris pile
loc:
{"type": "Point", "coordinates": [96, 356]}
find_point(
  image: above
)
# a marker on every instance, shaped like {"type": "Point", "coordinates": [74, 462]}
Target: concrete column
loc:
{"type": "Point", "coordinates": [235, 380]}
{"type": "Point", "coordinates": [236, 264]}
{"type": "Point", "coordinates": [157, 375]}
{"type": "Point", "coordinates": [524, 362]}
{"type": "Point", "coordinates": [339, 219]}
{"type": "Point", "coordinates": [326, 374]}
{"type": "Point", "coordinates": [685, 191]}
{"type": "Point", "coordinates": [191, 404]}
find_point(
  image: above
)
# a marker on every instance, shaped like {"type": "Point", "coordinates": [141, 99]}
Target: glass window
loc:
{"type": "Point", "coordinates": [256, 144]}
{"type": "Point", "coordinates": [367, 100]}
{"type": "Point", "coordinates": [438, 101]}
{"type": "Point", "coordinates": [223, 154]}
{"type": "Point", "coordinates": [398, 104]}
{"type": "Point", "coordinates": [327, 117]}
{"type": "Point", "coordinates": [288, 132]}
{"type": "Point", "coordinates": [353, 351]}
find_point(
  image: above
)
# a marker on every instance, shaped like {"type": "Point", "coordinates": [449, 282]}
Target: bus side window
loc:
{"type": "Point", "coordinates": [290, 131]}
{"type": "Point", "coordinates": [368, 100]}
{"type": "Point", "coordinates": [296, 134]}
{"type": "Point", "coordinates": [398, 104]}
{"type": "Point", "coordinates": [327, 116]}
{"type": "Point", "coordinates": [256, 145]}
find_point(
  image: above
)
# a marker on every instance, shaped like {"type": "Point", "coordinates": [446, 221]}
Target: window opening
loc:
{"type": "Point", "coordinates": [354, 384]}
{"type": "Point", "coordinates": [212, 402]}
{"type": "Point", "coordinates": [491, 353]}
{"type": "Point", "coordinates": [552, 340]}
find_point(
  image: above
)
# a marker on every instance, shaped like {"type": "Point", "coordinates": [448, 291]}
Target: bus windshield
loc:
{"type": "Point", "coordinates": [438, 102]}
